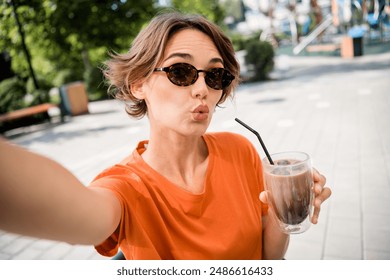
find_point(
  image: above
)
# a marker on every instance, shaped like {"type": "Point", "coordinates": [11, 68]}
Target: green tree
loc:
{"type": "Point", "coordinates": [69, 38]}
{"type": "Point", "coordinates": [211, 9]}
{"type": "Point", "coordinates": [82, 26]}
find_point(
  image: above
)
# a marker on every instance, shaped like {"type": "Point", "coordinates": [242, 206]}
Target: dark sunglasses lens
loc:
{"type": "Point", "coordinates": [182, 74]}
{"type": "Point", "coordinates": [227, 78]}
{"type": "Point", "coordinates": [218, 78]}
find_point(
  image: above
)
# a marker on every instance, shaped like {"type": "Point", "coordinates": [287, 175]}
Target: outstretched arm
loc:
{"type": "Point", "coordinates": [40, 198]}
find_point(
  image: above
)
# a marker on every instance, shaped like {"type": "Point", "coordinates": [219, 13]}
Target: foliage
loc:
{"type": "Point", "coordinates": [94, 82]}
{"type": "Point", "coordinates": [211, 9]}
{"type": "Point", "coordinates": [235, 9]}
{"type": "Point", "coordinates": [5, 66]}
{"type": "Point", "coordinates": [12, 93]}
{"type": "Point", "coordinates": [238, 41]}
{"type": "Point", "coordinates": [65, 76]}
{"type": "Point", "coordinates": [43, 84]}
{"type": "Point", "coordinates": [260, 55]}
{"type": "Point", "coordinates": [67, 38]}
{"type": "Point", "coordinates": [37, 96]}
{"type": "Point", "coordinates": [13, 97]}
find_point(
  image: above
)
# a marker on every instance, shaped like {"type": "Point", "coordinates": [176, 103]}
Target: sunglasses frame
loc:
{"type": "Point", "coordinates": [226, 76]}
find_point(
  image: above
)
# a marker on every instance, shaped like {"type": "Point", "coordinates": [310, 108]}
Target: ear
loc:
{"type": "Point", "coordinates": [137, 90]}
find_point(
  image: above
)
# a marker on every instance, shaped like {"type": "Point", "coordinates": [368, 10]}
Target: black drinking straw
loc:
{"type": "Point", "coordinates": [258, 137]}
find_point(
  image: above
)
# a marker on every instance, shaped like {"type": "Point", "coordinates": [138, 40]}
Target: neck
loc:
{"type": "Point", "coordinates": [182, 160]}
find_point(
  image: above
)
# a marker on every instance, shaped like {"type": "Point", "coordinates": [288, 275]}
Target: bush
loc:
{"type": "Point", "coordinates": [12, 92]}
{"type": "Point", "coordinates": [238, 41]}
{"type": "Point", "coordinates": [260, 56]}
{"type": "Point", "coordinates": [65, 76]}
{"type": "Point", "coordinates": [40, 95]}
{"type": "Point", "coordinates": [94, 82]}
{"type": "Point", "coordinates": [13, 97]}
{"type": "Point", "coordinates": [42, 83]}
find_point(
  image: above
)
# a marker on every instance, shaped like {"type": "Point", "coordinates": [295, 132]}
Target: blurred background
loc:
{"type": "Point", "coordinates": [46, 45]}
{"type": "Point", "coordinates": [315, 78]}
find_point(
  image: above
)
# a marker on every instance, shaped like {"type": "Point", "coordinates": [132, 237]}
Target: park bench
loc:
{"type": "Point", "coordinates": [26, 112]}
{"type": "Point", "coordinates": [74, 101]}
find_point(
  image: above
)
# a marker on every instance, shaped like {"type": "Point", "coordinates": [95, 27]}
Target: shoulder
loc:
{"type": "Point", "coordinates": [118, 178]}
{"type": "Point", "coordinates": [125, 176]}
{"type": "Point", "coordinates": [226, 136]}
{"type": "Point", "coordinates": [117, 171]}
{"type": "Point", "coordinates": [228, 140]}
{"type": "Point", "coordinates": [125, 172]}
{"type": "Point", "coordinates": [231, 146]}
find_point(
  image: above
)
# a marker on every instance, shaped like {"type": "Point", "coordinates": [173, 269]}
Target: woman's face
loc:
{"type": "Point", "coordinates": [183, 110]}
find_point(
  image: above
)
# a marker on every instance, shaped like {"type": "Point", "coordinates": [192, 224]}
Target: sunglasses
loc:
{"type": "Point", "coordinates": [184, 74]}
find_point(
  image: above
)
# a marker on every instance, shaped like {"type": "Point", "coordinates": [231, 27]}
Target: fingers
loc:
{"type": "Point", "coordinates": [318, 177]}
{"type": "Point", "coordinates": [317, 189]}
{"type": "Point", "coordinates": [319, 185]}
{"type": "Point", "coordinates": [323, 195]}
{"type": "Point", "coordinates": [321, 192]}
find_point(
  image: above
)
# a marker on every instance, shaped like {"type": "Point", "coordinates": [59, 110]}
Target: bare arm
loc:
{"type": "Point", "coordinates": [40, 198]}
{"type": "Point", "coordinates": [275, 242]}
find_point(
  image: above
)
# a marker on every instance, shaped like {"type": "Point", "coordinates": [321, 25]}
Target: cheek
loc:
{"type": "Point", "coordinates": [216, 97]}
{"type": "Point", "coordinates": [156, 89]}
{"type": "Point", "coordinates": [165, 99]}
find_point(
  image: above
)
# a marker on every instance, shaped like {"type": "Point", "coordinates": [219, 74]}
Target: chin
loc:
{"type": "Point", "coordinates": [197, 129]}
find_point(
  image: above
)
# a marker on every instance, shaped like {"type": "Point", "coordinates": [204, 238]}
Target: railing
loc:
{"type": "Point", "coordinates": [314, 34]}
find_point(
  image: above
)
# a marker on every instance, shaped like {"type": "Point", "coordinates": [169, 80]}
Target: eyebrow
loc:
{"type": "Point", "coordinates": [188, 56]}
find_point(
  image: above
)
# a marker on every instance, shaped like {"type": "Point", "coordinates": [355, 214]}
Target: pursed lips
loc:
{"type": "Point", "coordinates": [201, 109]}
{"type": "Point", "coordinates": [201, 113]}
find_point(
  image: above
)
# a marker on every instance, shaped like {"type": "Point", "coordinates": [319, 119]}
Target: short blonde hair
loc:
{"type": "Point", "coordinates": [147, 52]}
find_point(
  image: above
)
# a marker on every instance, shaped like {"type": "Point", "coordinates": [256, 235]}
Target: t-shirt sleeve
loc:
{"type": "Point", "coordinates": [120, 181]}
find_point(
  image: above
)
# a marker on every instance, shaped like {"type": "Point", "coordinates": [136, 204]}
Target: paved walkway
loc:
{"type": "Point", "coordinates": [335, 109]}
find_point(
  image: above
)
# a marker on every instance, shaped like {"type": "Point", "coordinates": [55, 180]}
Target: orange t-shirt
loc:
{"type": "Point", "coordinates": [163, 221]}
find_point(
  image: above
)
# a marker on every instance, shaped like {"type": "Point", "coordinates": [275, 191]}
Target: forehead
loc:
{"type": "Point", "coordinates": [193, 42]}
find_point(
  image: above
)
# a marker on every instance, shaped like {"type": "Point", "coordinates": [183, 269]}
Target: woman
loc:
{"type": "Point", "coordinates": [184, 193]}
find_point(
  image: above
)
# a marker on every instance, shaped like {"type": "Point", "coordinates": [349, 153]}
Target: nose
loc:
{"type": "Point", "coordinates": [200, 89]}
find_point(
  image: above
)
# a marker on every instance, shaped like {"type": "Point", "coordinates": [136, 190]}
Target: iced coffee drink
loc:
{"type": "Point", "coordinates": [289, 182]}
